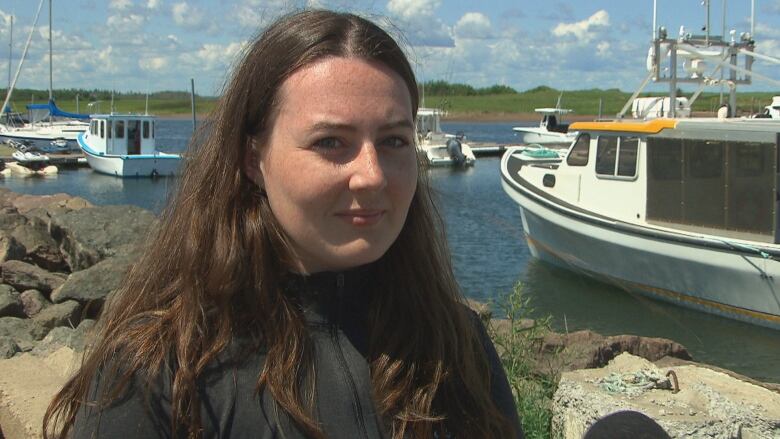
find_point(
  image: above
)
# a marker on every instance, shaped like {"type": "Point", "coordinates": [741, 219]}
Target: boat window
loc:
{"type": "Point", "coordinates": [606, 155]}
{"type": "Point", "coordinates": [578, 156]}
{"type": "Point", "coordinates": [108, 128]}
{"type": "Point", "coordinates": [703, 184]}
{"type": "Point", "coordinates": [102, 124]}
{"type": "Point", "coordinates": [627, 155]}
{"type": "Point", "coordinates": [152, 129]}
{"type": "Point", "coordinates": [705, 158]}
{"type": "Point", "coordinates": [146, 129]}
{"type": "Point", "coordinates": [120, 129]}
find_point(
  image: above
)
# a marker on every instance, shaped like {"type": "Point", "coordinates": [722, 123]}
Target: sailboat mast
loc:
{"type": "Point", "coordinates": [10, 51]}
{"type": "Point", "coordinates": [51, 73]}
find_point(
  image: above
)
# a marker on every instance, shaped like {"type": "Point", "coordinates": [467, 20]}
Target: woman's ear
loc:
{"type": "Point", "coordinates": [252, 163]}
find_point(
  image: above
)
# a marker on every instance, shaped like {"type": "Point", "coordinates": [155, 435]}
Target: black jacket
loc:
{"type": "Point", "coordinates": [335, 311]}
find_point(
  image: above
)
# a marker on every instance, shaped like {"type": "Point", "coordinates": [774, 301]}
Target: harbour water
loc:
{"type": "Point", "coordinates": [490, 256]}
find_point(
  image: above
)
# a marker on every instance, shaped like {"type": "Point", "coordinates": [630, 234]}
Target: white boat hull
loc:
{"type": "Point", "coordinates": [542, 136]}
{"type": "Point", "coordinates": [734, 283]}
{"type": "Point", "coordinates": [151, 165]}
{"type": "Point", "coordinates": [45, 138]}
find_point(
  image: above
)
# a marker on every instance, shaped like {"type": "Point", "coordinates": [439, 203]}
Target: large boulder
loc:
{"type": "Point", "coordinates": [10, 248]}
{"type": "Point", "coordinates": [691, 402]}
{"type": "Point", "coordinates": [90, 235]}
{"type": "Point", "coordinates": [24, 276]}
{"type": "Point", "coordinates": [55, 202]}
{"type": "Point", "coordinates": [74, 338]}
{"type": "Point", "coordinates": [95, 283]}
{"type": "Point", "coordinates": [10, 302]}
{"type": "Point", "coordinates": [33, 301]}
{"type": "Point", "coordinates": [8, 347]}
{"type": "Point", "coordinates": [61, 314]}
{"type": "Point", "coordinates": [10, 218]}
{"type": "Point", "coordinates": [40, 248]}
{"type": "Point", "coordinates": [588, 349]}
{"type": "Point", "coordinates": [23, 331]}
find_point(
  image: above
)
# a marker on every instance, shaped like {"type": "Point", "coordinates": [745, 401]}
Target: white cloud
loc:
{"type": "Point", "coordinates": [473, 25]}
{"type": "Point", "coordinates": [419, 23]}
{"type": "Point", "coordinates": [120, 5]}
{"type": "Point", "coordinates": [153, 4]}
{"type": "Point", "coordinates": [603, 49]}
{"type": "Point", "coordinates": [187, 16]}
{"type": "Point", "coordinates": [410, 9]}
{"type": "Point", "coordinates": [153, 64]}
{"type": "Point", "coordinates": [212, 56]}
{"type": "Point", "coordinates": [125, 23]}
{"type": "Point", "coordinates": [583, 30]}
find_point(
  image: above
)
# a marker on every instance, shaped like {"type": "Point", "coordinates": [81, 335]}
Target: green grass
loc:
{"type": "Point", "coordinates": [518, 344]}
{"type": "Point", "coordinates": [585, 102]}
{"type": "Point", "coordinates": [130, 105]}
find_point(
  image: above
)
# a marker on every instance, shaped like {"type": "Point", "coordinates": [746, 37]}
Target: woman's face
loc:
{"type": "Point", "coordinates": [339, 164]}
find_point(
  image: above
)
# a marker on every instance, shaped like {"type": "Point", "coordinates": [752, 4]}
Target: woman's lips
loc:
{"type": "Point", "coordinates": [362, 217]}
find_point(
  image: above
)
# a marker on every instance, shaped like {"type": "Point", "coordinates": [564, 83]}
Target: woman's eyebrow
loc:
{"type": "Point", "coordinates": [338, 126]}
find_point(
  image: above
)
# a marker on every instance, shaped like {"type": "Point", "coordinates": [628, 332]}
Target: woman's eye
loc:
{"type": "Point", "coordinates": [327, 143]}
{"type": "Point", "coordinates": [395, 142]}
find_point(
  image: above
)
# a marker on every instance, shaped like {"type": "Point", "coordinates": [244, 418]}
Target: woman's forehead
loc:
{"type": "Point", "coordinates": [331, 80]}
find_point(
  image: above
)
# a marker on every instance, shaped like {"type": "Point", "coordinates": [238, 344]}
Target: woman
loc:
{"type": "Point", "coordinates": [299, 285]}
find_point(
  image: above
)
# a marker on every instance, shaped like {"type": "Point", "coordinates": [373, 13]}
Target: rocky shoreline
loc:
{"type": "Point", "coordinates": [61, 258]}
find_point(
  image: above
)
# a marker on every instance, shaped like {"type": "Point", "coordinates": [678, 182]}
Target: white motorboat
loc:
{"type": "Point", "coordinates": [124, 145]}
{"type": "Point", "coordinates": [771, 111]}
{"type": "Point", "coordinates": [441, 149]}
{"type": "Point", "coordinates": [549, 132]}
{"type": "Point", "coordinates": [684, 210]}
{"type": "Point", "coordinates": [29, 163]}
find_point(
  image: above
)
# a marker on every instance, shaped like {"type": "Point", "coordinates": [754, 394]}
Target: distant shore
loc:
{"type": "Point", "coordinates": [450, 117]}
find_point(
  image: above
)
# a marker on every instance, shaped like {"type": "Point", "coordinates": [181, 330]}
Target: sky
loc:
{"type": "Point", "coordinates": [151, 45]}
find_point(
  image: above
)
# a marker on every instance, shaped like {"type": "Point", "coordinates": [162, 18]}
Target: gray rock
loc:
{"type": "Point", "coordinates": [10, 218]}
{"type": "Point", "coordinates": [96, 282]}
{"type": "Point", "coordinates": [23, 331]}
{"type": "Point", "coordinates": [33, 301]}
{"type": "Point", "coordinates": [60, 314]}
{"type": "Point", "coordinates": [40, 247]}
{"type": "Point", "coordinates": [24, 276]}
{"type": "Point", "coordinates": [8, 348]}
{"type": "Point", "coordinates": [10, 248]}
{"type": "Point", "coordinates": [89, 235]}
{"type": "Point", "coordinates": [10, 302]}
{"type": "Point", "coordinates": [54, 203]}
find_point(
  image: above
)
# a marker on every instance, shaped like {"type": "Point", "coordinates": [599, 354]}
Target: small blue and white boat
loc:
{"type": "Point", "coordinates": [123, 145]}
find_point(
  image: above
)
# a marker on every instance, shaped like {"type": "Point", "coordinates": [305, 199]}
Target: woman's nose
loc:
{"type": "Point", "coordinates": [367, 171]}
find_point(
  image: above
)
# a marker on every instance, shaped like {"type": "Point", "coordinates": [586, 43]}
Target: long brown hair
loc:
{"type": "Point", "coordinates": [215, 264]}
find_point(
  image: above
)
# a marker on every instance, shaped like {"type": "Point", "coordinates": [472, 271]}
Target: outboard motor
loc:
{"type": "Point", "coordinates": [455, 150]}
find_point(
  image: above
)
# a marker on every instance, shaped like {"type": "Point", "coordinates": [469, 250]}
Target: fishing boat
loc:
{"type": "Point", "coordinates": [550, 130]}
{"type": "Point", "coordinates": [680, 209]}
{"type": "Point", "coordinates": [47, 128]}
{"type": "Point", "coordinates": [124, 145]}
{"type": "Point", "coordinates": [440, 148]}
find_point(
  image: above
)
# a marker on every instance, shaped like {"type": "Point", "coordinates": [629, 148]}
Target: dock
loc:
{"type": "Point", "coordinates": [488, 149]}
{"type": "Point", "coordinates": [71, 160]}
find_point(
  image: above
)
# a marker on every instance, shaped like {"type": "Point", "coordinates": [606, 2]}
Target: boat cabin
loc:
{"type": "Point", "coordinates": [550, 119]}
{"type": "Point", "coordinates": [428, 121]}
{"type": "Point", "coordinates": [117, 134]}
{"type": "Point", "coordinates": [715, 177]}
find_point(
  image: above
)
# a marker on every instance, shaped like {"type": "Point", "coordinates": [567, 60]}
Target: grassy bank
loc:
{"type": "Point", "coordinates": [504, 106]}
{"type": "Point", "coordinates": [517, 341]}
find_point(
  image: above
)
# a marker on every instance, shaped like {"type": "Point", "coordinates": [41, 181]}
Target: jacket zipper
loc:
{"type": "Point", "coordinates": [342, 359]}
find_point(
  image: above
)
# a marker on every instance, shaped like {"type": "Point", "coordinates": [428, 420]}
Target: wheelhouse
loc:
{"type": "Point", "coordinates": [122, 134]}
{"type": "Point", "coordinates": [712, 177]}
